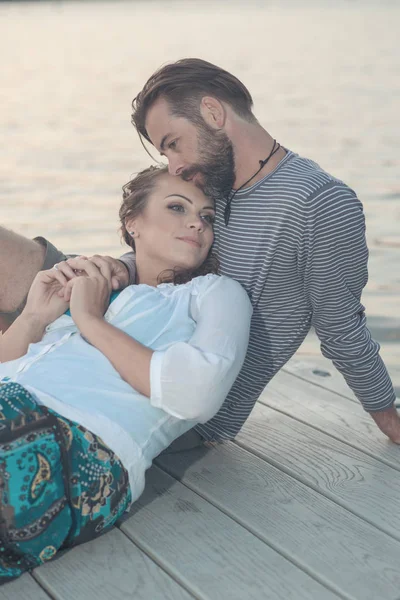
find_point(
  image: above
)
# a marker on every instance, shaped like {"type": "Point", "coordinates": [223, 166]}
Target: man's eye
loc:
{"type": "Point", "coordinates": [172, 145]}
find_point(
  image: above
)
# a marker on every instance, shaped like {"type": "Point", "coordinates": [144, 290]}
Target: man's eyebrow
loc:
{"type": "Point", "coordinates": [188, 199]}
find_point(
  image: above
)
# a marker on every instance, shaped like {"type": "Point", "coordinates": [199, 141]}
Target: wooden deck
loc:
{"type": "Point", "coordinates": [305, 504]}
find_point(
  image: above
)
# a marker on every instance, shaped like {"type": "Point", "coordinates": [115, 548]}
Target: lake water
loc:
{"type": "Point", "coordinates": [325, 77]}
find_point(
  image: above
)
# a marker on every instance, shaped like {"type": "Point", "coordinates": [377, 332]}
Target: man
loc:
{"type": "Point", "coordinates": [290, 233]}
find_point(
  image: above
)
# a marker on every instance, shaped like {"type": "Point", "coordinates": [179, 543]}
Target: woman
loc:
{"type": "Point", "coordinates": [90, 397]}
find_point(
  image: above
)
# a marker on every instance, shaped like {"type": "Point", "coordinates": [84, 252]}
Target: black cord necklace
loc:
{"type": "Point", "coordinates": [228, 208]}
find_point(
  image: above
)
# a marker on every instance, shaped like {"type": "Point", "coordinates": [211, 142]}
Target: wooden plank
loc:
{"type": "Point", "coordinates": [23, 588]}
{"type": "Point", "coordinates": [209, 552]}
{"type": "Point", "coordinates": [338, 548]}
{"type": "Point", "coordinates": [331, 414]}
{"type": "Point", "coordinates": [108, 567]}
{"type": "Point", "coordinates": [358, 482]}
{"type": "Point", "coordinates": [321, 372]}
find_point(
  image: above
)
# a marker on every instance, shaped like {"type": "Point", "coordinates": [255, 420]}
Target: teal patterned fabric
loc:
{"type": "Point", "coordinates": [60, 485]}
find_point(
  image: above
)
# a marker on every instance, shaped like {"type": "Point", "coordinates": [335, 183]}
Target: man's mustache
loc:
{"type": "Point", "coordinates": [189, 174]}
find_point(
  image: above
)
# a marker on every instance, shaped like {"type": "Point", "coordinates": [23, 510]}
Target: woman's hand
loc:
{"type": "Point", "coordinates": [44, 303]}
{"type": "Point", "coordinates": [89, 296]}
{"type": "Point", "coordinates": [110, 267]}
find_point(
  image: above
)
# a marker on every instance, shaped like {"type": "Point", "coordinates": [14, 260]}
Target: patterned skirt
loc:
{"type": "Point", "coordinates": [60, 485]}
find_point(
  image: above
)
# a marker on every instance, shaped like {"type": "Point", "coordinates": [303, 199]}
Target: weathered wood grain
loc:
{"type": "Point", "coordinates": [339, 548]}
{"type": "Point", "coordinates": [320, 371]}
{"type": "Point", "coordinates": [24, 588]}
{"type": "Point", "coordinates": [213, 555]}
{"type": "Point", "coordinates": [110, 567]}
{"type": "Point", "coordinates": [358, 482]}
{"type": "Point", "coordinates": [330, 413]}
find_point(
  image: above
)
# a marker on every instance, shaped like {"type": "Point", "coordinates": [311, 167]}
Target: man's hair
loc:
{"type": "Point", "coordinates": [183, 84]}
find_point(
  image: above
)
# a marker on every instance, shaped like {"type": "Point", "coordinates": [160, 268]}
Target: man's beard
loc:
{"type": "Point", "coordinates": [216, 165]}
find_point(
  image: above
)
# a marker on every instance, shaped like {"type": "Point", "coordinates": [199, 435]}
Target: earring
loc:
{"type": "Point", "coordinates": [131, 233]}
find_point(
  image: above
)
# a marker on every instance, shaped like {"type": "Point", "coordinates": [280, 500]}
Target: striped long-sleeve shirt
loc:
{"type": "Point", "coordinates": [296, 242]}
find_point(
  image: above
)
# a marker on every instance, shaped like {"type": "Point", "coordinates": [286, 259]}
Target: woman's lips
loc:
{"type": "Point", "coordinates": [191, 241]}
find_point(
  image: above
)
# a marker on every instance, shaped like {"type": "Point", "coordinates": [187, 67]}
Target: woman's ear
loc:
{"type": "Point", "coordinates": [131, 228]}
{"type": "Point", "coordinates": [213, 112]}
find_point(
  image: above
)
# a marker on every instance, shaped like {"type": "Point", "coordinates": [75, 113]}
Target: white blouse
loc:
{"type": "Point", "coordinates": [199, 332]}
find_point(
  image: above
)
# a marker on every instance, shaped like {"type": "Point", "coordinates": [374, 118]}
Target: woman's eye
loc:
{"type": "Point", "coordinates": [176, 207]}
{"type": "Point", "coordinates": [209, 219]}
{"type": "Point", "coordinates": [172, 145]}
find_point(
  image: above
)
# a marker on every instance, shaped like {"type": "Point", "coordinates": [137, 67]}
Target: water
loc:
{"type": "Point", "coordinates": [325, 78]}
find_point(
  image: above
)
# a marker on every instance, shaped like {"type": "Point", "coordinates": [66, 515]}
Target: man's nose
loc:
{"type": "Point", "coordinates": [174, 167]}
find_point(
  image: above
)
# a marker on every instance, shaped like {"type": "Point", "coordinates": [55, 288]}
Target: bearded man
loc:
{"type": "Point", "coordinates": [292, 234]}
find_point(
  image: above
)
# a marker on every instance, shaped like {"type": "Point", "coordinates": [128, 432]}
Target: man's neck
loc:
{"type": "Point", "coordinates": [251, 144]}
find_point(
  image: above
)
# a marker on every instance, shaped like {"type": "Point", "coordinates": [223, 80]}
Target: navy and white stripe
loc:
{"type": "Point", "coordinates": [296, 242]}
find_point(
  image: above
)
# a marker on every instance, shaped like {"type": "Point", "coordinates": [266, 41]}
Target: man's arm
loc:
{"type": "Point", "coordinates": [335, 274]}
{"type": "Point", "coordinates": [129, 261]}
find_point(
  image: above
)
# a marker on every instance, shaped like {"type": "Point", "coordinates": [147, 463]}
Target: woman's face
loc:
{"type": "Point", "coordinates": [175, 229]}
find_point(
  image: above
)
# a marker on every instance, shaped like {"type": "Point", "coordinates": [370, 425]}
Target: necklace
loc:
{"type": "Point", "coordinates": [228, 207]}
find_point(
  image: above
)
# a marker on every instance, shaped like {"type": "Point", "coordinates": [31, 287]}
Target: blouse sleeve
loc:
{"type": "Point", "coordinates": [190, 380]}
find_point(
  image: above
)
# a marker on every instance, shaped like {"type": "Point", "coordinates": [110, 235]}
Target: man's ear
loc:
{"type": "Point", "coordinates": [213, 112]}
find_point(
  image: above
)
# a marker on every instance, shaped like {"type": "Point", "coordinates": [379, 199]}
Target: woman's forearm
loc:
{"type": "Point", "coordinates": [130, 358]}
{"type": "Point", "coordinates": [26, 329]}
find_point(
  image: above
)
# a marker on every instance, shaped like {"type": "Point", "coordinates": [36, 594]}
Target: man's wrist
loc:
{"type": "Point", "coordinates": [129, 261]}
{"type": "Point", "coordinates": [126, 268]}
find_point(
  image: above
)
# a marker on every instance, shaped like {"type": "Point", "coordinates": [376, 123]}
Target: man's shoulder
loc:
{"type": "Point", "coordinates": [306, 179]}
{"type": "Point", "coordinates": [309, 170]}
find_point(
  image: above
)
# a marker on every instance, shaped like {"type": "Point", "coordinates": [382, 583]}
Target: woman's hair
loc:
{"type": "Point", "coordinates": [135, 195]}
{"type": "Point", "coordinates": [183, 84]}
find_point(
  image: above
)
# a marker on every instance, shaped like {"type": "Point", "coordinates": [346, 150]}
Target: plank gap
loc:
{"type": "Point", "coordinates": [256, 534]}
{"type": "Point", "coordinates": [153, 558]}
{"type": "Point", "coordinates": [325, 493]}
{"type": "Point", "coordinates": [319, 385]}
{"type": "Point", "coordinates": [39, 583]}
{"type": "Point", "coordinates": [342, 440]}
{"type": "Point", "coordinates": [150, 554]}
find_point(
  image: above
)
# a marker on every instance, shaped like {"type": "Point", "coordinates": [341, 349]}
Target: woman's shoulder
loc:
{"type": "Point", "coordinates": [220, 286]}
{"type": "Point", "coordinates": [194, 286]}
{"type": "Point", "coordinates": [203, 285]}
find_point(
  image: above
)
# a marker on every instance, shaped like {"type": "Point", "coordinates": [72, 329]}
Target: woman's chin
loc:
{"type": "Point", "coordinates": [187, 265]}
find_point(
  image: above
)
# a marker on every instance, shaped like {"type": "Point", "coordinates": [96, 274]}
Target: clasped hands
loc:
{"type": "Point", "coordinates": [81, 284]}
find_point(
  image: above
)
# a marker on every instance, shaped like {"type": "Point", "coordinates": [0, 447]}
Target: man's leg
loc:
{"type": "Point", "coordinates": [20, 260]}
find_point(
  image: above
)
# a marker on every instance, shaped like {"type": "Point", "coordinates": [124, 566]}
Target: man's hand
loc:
{"type": "Point", "coordinates": [388, 422]}
{"type": "Point", "coordinates": [111, 268]}
{"type": "Point", "coordinates": [119, 272]}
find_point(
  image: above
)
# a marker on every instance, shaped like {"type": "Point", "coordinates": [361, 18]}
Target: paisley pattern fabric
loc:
{"type": "Point", "coordinates": [60, 485]}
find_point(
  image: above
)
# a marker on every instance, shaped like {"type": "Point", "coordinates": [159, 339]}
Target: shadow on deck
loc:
{"type": "Point", "coordinates": [303, 505]}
